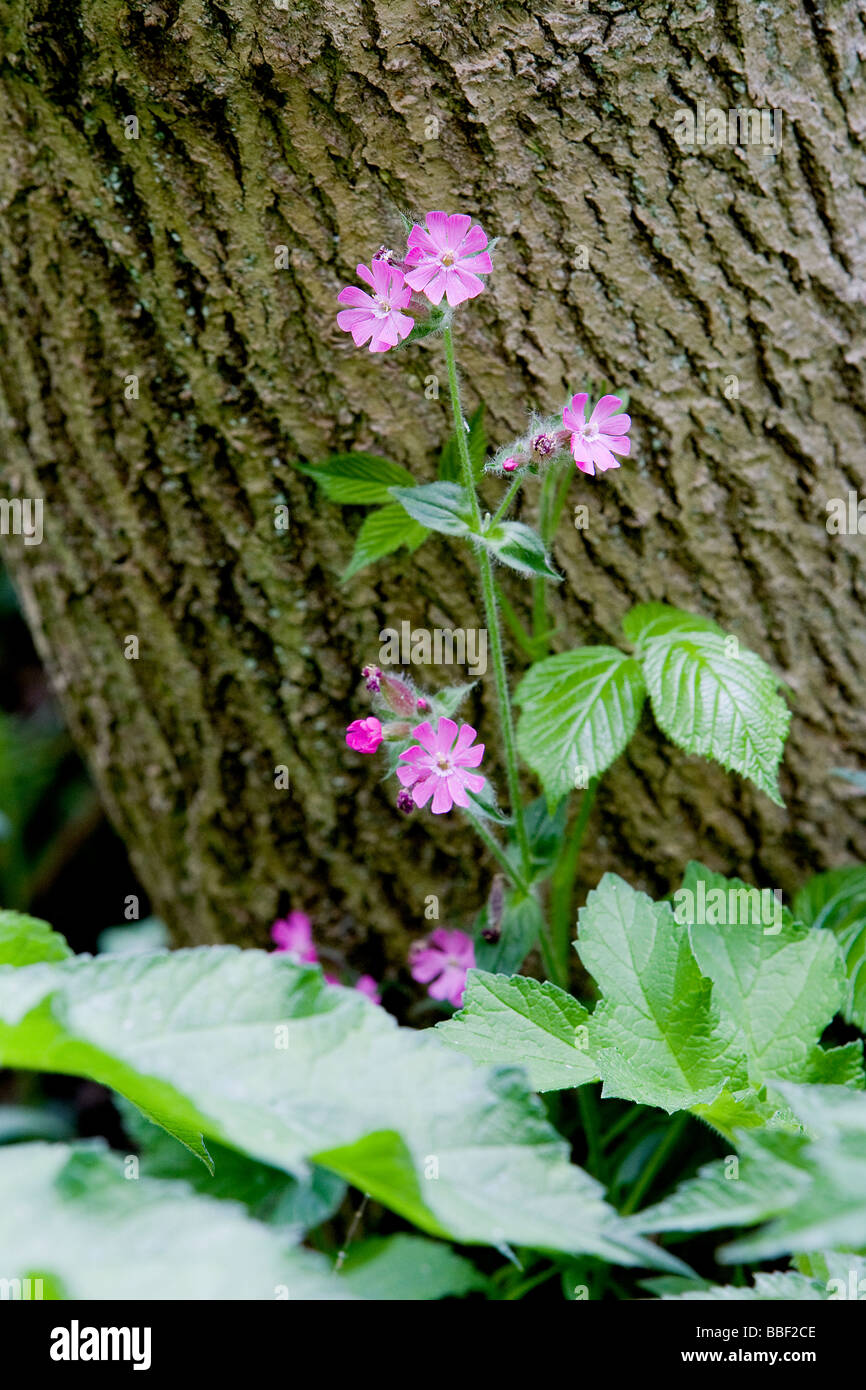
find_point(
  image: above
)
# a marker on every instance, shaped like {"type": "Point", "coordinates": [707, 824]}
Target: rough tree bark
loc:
{"type": "Point", "coordinates": [623, 255]}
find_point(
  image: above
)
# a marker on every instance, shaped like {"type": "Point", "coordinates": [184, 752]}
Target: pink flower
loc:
{"type": "Point", "coordinates": [377, 316]}
{"type": "Point", "coordinates": [595, 441]}
{"type": "Point", "coordinates": [442, 962]}
{"type": "Point", "coordinates": [438, 763]}
{"type": "Point", "coordinates": [364, 735]}
{"type": "Point", "coordinates": [365, 984]}
{"type": "Point", "coordinates": [447, 258]}
{"type": "Point", "coordinates": [294, 934]}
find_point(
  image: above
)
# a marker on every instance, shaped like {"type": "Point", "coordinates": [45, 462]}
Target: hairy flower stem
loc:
{"type": "Point", "coordinates": [491, 611]}
{"type": "Point", "coordinates": [506, 501]}
{"type": "Point", "coordinates": [514, 875]}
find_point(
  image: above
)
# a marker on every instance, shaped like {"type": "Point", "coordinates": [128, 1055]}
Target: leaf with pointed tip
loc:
{"type": "Point", "coordinates": [522, 549]}
{"type": "Point", "coordinates": [382, 532]}
{"type": "Point", "coordinates": [657, 1035]}
{"type": "Point", "coordinates": [578, 711]}
{"type": "Point", "coordinates": [443, 507]}
{"type": "Point", "coordinates": [357, 478]}
{"type": "Point", "coordinates": [25, 940]}
{"type": "Point", "coordinates": [837, 902]}
{"type": "Point", "coordinates": [517, 1020]}
{"type": "Point", "coordinates": [711, 696]}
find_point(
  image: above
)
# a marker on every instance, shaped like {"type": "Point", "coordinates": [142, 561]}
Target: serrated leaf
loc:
{"type": "Point", "coordinates": [358, 478]}
{"type": "Point", "coordinates": [713, 697]}
{"type": "Point", "coordinates": [778, 983]}
{"type": "Point", "coordinates": [259, 1054]}
{"type": "Point", "coordinates": [25, 940]}
{"type": "Point", "coordinates": [70, 1211]}
{"type": "Point", "coordinates": [519, 1021]}
{"type": "Point", "coordinates": [519, 547]}
{"type": "Point", "coordinates": [381, 533]}
{"type": "Point", "coordinates": [578, 711]}
{"type": "Point", "coordinates": [656, 1035]}
{"type": "Point", "coordinates": [649, 620]}
{"type": "Point", "coordinates": [443, 507]}
{"type": "Point", "coordinates": [837, 901]}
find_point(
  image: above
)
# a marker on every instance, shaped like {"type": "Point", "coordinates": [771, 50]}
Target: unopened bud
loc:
{"type": "Point", "coordinates": [397, 695]}
{"type": "Point", "coordinates": [405, 802]}
{"type": "Point", "coordinates": [495, 909]}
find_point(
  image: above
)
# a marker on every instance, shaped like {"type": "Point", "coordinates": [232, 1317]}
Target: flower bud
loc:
{"type": "Point", "coordinates": [405, 802]}
{"type": "Point", "coordinates": [372, 678]}
{"type": "Point", "coordinates": [398, 696]}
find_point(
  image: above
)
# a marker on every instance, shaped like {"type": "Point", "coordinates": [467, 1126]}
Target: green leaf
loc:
{"type": "Point", "coordinates": [71, 1212]}
{"type": "Point", "coordinates": [837, 902]}
{"type": "Point", "coordinates": [381, 533]}
{"type": "Point", "coordinates": [518, 1021]}
{"type": "Point", "coordinates": [519, 547]}
{"type": "Point", "coordinates": [545, 830]}
{"type": "Point", "coordinates": [777, 982]}
{"type": "Point", "coordinates": [522, 923]}
{"type": "Point", "coordinates": [578, 711]}
{"type": "Point", "coordinates": [767, 1288]}
{"type": "Point", "coordinates": [449, 460]}
{"type": "Point", "coordinates": [358, 478]}
{"type": "Point", "coordinates": [269, 1194]}
{"type": "Point", "coordinates": [657, 1035]}
{"type": "Point", "coordinates": [711, 696]}
{"type": "Point", "coordinates": [262, 1056]}
{"type": "Point", "coordinates": [443, 507]}
{"type": "Point", "coordinates": [25, 940]}
{"type": "Point", "coordinates": [809, 1187]}
{"type": "Point", "coordinates": [406, 1268]}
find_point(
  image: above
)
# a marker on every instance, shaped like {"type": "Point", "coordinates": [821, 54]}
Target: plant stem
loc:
{"type": "Point", "coordinates": [497, 851]}
{"type": "Point", "coordinates": [652, 1166]}
{"type": "Point", "coordinates": [589, 1120]}
{"type": "Point", "coordinates": [507, 500]}
{"type": "Point", "coordinates": [488, 592]}
{"type": "Point", "coordinates": [562, 884]}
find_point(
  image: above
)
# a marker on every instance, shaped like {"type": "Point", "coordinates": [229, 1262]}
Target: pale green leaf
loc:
{"type": "Point", "coordinates": [25, 940]}
{"type": "Point", "coordinates": [382, 532]}
{"type": "Point", "coordinates": [443, 507]}
{"type": "Point", "coordinates": [358, 478]}
{"type": "Point", "coordinates": [578, 711]}
{"type": "Point", "coordinates": [517, 1020]}
{"type": "Point", "coordinates": [522, 549]}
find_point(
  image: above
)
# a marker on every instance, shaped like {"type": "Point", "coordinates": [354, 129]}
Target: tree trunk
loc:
{"type": "Point", "coordinates": [724, 287]}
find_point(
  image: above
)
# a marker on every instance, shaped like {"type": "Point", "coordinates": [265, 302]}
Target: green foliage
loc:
{"type": "Point", "coordinates": [443, 507]}
{"type": "Point", "coordinates": [520, 548]}
{"type": "Point", "coordinates": [408, 1269]}
{"type": "Point", "coordinates": [358, 478]}
{"type": "Point", "coordinates": [518, 1021]}
{"type": "Point", "coordinates": [25, 940]}
{"type": "Point", "coordinates": [382, 532]}
{"type": "Point", "coordinates": [709, 695]}
{"type": "Point", "coordinates": [578, 711]}
{"type": "Point", "coordinates": [194, 1039]}
{"type": "Point", "coordinates": [837, 902]}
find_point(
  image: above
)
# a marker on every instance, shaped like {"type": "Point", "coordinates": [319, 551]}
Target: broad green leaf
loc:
{"type": "Point", "coordinates": [382, 532]}
{"type": "Point", "coordinates": [713, 697]}
{"type": "Point", "coordinates": [358, 478]}
{"type": "Point", "coordinates": [809, 1187]}
{"type": "Point", "coordinates": [657, 1035]}
{"type": "Point", "coordinates": [406, 1268]}
{"type": "Point", "coordinates": [260, 1055]}
{"type": "Point", "coordinates": [519, 547]}
{"type": "Point", "coordinates": [837, 902]}
{"type": "Point", "coordinates": [830, 1214]}
{"type": "Point", "coordinates": [70, 1211]}
{"type": "Point", "coordinates": [777, 982]}
{"type": "Point", "coordinates": [518, 1021]}
{"type": "Point", "coordinates": [545, 830]}
{"type": "Point", "coordinates": [269, 1194]}
{"type": "Point", "coordinates": [649, 620]}
{"type": "Point", "coordinates": [443, 507]}
{"type": "Point", "coordinates": [522, 924]}
{"type": "Point", "coordinates": [25, 940]}
{"type": "Point", "coordinates": [578, 711]}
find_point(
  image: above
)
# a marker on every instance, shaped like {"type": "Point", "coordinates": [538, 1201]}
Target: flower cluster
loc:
{"type": "Point", "coordinates": [593, 442]}
{"type": "Point", "coordinates": [443, 259]}
{"type": "Point", "coordinates": [293, 936]}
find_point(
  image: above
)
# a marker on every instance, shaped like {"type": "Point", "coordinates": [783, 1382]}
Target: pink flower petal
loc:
{"type": "Point", "coordinates": [618, 424]}
{"type": "Point", "coordinates": [474, 240]}
{"type": "Point", "coordinates": [437, 226]}
{"type": "Point", "coordinates": [445, 735]}
{"type": "Point", "coordinates": [426, 737]}
{"type": "Point", "coordinates": [608, 405]}
{"type": "Point", "coordinates": [442, 800]}
{"type": "Point", "coordinates": [458, 225]}
{"type": "Point", "coordinates": [461, 285]}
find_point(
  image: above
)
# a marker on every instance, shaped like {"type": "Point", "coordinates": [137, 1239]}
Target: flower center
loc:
{"type": "Point", "coordinates": [447, 258]}
{"type": "Point", "coordinates": [444, 766]}
{"type": "Point", "coordinates": [590, 432]}
{"type": "Point", "coordinates": [384, 308]}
